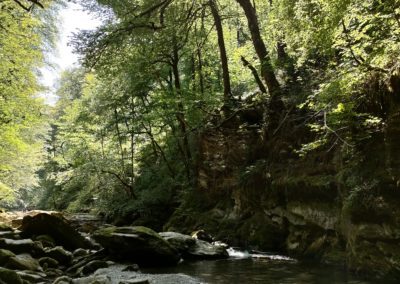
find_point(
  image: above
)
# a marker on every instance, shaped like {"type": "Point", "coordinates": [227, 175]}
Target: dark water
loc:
{"type": "Point", "coordinates": [264, 271]}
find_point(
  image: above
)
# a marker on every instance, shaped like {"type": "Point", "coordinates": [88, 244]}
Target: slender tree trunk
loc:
{"type": "Point", "coordinates": [180, 115]}
{"type": "Point", "coordinates": [119, 139]}
{"type": "Point", "coordinates": [267, 71]}
{"type": "Point", "coordinates": [200, 70]}
{"type": "Point", "coordinates": [129, 190]}
{"type": "Point", "coordinates": [222, 50]}
{"type": "Point", "coordinates": [274, 111]}
{"type": "Point", "coordinates": [255, 75]}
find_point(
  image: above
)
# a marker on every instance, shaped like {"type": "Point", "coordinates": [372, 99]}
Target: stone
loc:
{"type": "Point", "coordinates": [31, 277]}
{"type": "Point", "coordinates": [23, 262]}
{"type": "Point", "coordinates": [5, 255]}
{"type": "Point", "coordinates": [48, 262]}
{"type": "Point", "coordinates": [5, 228]}
{"type": "Point", "coordinates": [22, 246]}
{"type": "Point", "coordinates": [55, 226]}
{"type": "Point", "coordinates": [92, 266]}
{"type": "Point", "coordinates": [54, 272]}
{"type": "Point", "coordinates": [60, 254]}
{"type": "Point", "coordinates": [63, 280]}
{"type": "Point", "coordinates": [46, 240]}
{"type": "Point", "coordinates": [202, 235]}
{"type": "Point", "coordinates": [138, 281]}
{"type": "Point", "coordinates": [14, 235]}
{"type": "Point", "coordinates": [178, 241]}
{"type": "Point", "coordinates": [191, 248]}
{"type": "Point", "coordinates": [205, 250]}
{"type": "Point", "coordinates": [132, 267]}
{"type": "Point", "coordinates": [80, 252]}
{"type": "Point", "coordinates": [96, 279]}
{"type": "Point", "coordinates": [9, 276]}
{"type": "Point", "coordinates": [138, 244]}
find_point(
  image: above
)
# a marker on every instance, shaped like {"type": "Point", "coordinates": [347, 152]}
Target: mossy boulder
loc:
{"type": "Point", "coordinates": [9, 276]}
{"type": "Point", "coordinates": [191, 248]}
{"type": "Point", "coordinates": [137, 244]}
{"type": "Point", "coordinates": [60, 254]}
{"type": "Point", "coordinates": [56, 227]}
{"type": "Point", "coordinates": [23, 262]}
{"type": "Point", "coordinates": [5, 256]}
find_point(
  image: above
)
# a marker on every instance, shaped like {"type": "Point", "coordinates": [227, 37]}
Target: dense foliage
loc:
{"type": "Point", "coordinates": [26, 32]}
{"type": "Point", "coordinates": [124, 132]}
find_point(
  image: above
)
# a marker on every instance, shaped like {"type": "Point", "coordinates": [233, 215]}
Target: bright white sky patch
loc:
{"type": "Point", "coordinates": [73, 19]}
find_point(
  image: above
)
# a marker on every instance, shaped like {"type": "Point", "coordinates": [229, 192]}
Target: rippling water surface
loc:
{"type": "Point", "coordinates": [264, 269]}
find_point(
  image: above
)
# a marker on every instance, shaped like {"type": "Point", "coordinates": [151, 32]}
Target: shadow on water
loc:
{"type": "Point", "coordinates": [263, 271]}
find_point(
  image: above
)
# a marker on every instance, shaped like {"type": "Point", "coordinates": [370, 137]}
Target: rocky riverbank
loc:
{"type": "Point", "coordinates": [45, 247]}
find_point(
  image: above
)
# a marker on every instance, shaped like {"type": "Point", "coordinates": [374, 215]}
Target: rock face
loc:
{"type": "Point", "coordinates": [138, 244]}
{"type": "Point", "coordinates": [191, 248]}
{"type": "Point", "coordinates": [329, 206]}
{"type": "Point", "coordinates": [56, 227]}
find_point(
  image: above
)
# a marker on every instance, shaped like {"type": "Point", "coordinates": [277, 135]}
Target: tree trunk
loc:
{"type": "Point", "coordinates": [222, 50]}
{"type": "Point", "coordinates": [267, 71]}
{"type": "Point", "coordinates": [180, 114]}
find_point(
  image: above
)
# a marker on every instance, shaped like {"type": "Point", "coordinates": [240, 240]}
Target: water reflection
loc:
{"type": "Point", "coordinates": [263, 270]}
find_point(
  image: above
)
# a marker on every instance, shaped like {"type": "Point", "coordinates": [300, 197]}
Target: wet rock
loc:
{"type": "Point", "coordinates": [22, 246]}
{"type": "Point", "coordinates": [80, 252]}
{"type": "Point", "coordinates": [191, 248]}
{"type": "Point", "coordinates": [63, 280]}
{"type": "Point", "coordinates": [48, 262]}
{"type": "Point", "coordinates": [9, 276]}
{"type": "Point", "coordinates": [55, 226]}
{"type": "Point", "coordinates": [5, 256]}
{"type": "Point", "coordinates": [138, 244]}
{"type": "Point", "coordinates": [205, 250]}
{"type": "Point", "coordinates": [132, 267]}
{"type": "Point", "coordinates": [96, 279]}
{"type": "Point", "coordinates": [32, 277]}
{"type": "Point", "coordinates": [144, 281]}
{"type": "Point", "coordinates": [92, 266]}
{"type": "Point", "coordinates": [180, 242]}
{"type": "Point", "coordinates": [23, 262]}
{"type": "Point", "coordinates": [60, 254]}
{"type": "Point", "coordinates": [46, 240]}
{"type": "Point", "coordinates": [202, 235]}
{"type": "Point", "coordinates": [116, 275]}
{"type": "Point", "coordinates": [5, 228]}
{"type": "Point", "coordinates": [54, 272]}
{"type": "Point", "coordinates": [14, 235]}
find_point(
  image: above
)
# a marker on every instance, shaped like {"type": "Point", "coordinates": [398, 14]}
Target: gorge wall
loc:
{"type": "Point", "coordinates": [337, 205]}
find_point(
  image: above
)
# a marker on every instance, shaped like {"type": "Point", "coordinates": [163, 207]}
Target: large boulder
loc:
{"type": "Point", "coordinates": [205, 250]}
{"type": "Point", "coordinates": [23, 262]}
{"type": "Point", "coordinates": [9, 276]}
{"type": "Point", "coordinates": [60, 254]}
{"type": "Point", "coordinates": [5, 256]}
{"type": "Point", "coordinates": [138, 244]}
{"type": "Point", "coordinates": [56, 227]}
{"type": "Point", "coordinates": [192, 248]}
{"type": "Point", "coordinates": [180, 242]}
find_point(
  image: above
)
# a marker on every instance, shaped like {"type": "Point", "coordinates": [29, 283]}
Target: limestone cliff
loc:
{"type": "Point", "coordinates": [331, 205]}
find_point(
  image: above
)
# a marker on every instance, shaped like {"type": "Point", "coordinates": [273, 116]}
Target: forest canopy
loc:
{"type": "Point", "coordinates": [124, 132]}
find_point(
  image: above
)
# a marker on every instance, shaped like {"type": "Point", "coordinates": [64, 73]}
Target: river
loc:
{"type": "Point", "coordinates": [271, 269]}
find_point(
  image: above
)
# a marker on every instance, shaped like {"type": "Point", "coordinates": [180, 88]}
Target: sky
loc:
{"type": "Point", "coordinates": [73, 19]}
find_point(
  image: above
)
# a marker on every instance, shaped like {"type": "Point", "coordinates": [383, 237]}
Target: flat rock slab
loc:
{"type": "Point", "coordinates": [117, 275]}
{"type": "Point", "coordinates": [138, 244]}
